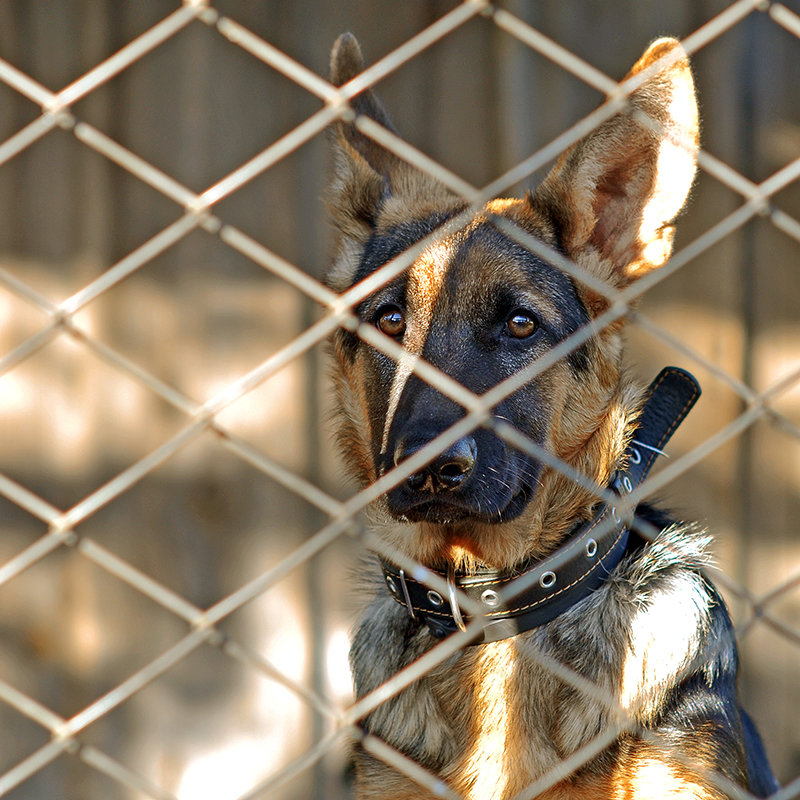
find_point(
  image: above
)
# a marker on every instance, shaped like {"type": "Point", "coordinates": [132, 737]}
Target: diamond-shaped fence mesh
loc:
{"type": "Point", "coordinates": [177, 547]}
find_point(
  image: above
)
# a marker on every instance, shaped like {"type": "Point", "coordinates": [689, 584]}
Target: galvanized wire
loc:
{"type": "Point", "coordinates": [202, 624]}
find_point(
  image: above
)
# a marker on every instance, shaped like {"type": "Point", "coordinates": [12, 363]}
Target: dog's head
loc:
{"type": "Point", "coordinates": [479, 305]}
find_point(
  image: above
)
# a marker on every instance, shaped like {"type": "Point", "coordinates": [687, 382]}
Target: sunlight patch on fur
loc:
{"type": "Point", "coordinates": [652, 777]}
{"type": "Point", "coordinates": [664, 637]}
{"type": "Point", "coordinates": [675, 167]}
{"type": "Point", "coordinates": [486, 766]}
{"type": "Point", "coordinates": [425, 282]}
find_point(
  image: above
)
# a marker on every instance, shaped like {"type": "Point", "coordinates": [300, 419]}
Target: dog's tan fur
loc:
{"type": "Point", "coordinates": [492, 721]}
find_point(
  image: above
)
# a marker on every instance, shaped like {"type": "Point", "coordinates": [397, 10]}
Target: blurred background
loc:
{"type": "Point", "coordinates": [200, 315]}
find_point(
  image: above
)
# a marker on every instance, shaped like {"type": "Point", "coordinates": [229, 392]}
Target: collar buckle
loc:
{"type": "Point", "coordinates": [451, 591]}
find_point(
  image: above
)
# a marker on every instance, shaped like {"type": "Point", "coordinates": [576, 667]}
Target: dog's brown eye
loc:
{"type": "Point", "coordinates": [392, 322]}
{"type": "Point", "coordinates": [521, 325]}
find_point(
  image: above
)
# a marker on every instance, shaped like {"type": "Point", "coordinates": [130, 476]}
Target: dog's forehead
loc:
{"type": "Point", "coordinates": [468, 269]}
{"type": "Point", "coordinates": [465, 268]}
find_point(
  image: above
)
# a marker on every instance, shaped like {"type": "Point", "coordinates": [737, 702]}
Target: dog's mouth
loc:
{"type": "Point", "coordinates": [450, 509]}
{"type": "Point", "coordinates": [474, 480]}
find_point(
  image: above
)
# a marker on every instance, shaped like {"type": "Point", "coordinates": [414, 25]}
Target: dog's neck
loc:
{"type": "Point", "coordinates": [562, 502]}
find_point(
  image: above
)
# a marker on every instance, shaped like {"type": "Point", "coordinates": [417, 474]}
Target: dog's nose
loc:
{"type": "Point", "coordinates": [447, 471]}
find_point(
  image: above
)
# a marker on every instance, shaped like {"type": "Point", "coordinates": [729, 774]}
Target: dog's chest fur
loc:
{"type": "Point", "coordinates": [493, 718]}
{"type": "Point", "coordinates": [502, 747]}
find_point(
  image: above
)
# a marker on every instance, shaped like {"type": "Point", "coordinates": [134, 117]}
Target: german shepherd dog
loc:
{"type": "Point", "coordinates": [646, 630]}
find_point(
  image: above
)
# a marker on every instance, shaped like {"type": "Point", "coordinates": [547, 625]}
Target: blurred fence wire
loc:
{"type": "Point", "coordinates": [63, 528]}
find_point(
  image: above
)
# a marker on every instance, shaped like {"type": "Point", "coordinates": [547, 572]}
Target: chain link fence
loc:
{"type": "Point", "coordinates": [173, 524]}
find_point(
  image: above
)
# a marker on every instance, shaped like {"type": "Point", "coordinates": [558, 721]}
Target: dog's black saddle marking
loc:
{"type": "Point", "coordinates": [538, 592]}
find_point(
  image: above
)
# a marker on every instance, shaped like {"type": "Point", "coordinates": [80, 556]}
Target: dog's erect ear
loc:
{"type": "Point", "coordinates": [365, 176]}
{"type": "Point", "coordinates": [614, 195]}
{"type": "Point", "coordinates": [355, 186]}
{"type": "Point", "coordinates": [346, 63]}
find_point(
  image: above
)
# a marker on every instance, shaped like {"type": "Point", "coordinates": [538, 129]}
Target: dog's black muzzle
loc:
{"type": "Point", "coordinates": [477, 476]}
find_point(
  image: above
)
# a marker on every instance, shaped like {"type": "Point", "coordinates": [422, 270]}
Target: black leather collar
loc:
{"type": "Point", "coordinates": [544, 589]}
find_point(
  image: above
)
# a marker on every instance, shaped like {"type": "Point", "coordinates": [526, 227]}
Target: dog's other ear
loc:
{"type": "Point", "coordinates": [346, 63]}
{"type": "Point", "coordinates": [359, 172]}
{"type": "Point", "coordinates": [366, 178]}
{"type": "Point", "coordinates": [614, 195]}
